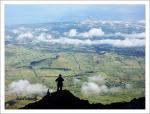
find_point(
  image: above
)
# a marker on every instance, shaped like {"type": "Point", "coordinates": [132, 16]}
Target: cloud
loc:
{"type": "Point", "coordinates": [90, 88]}
{"type": "Point", "coordinates": [124, 43]}
{"type": "Point", "coordinates": [19, 30]}
{"type": "Point", "coordinates": [72, 33]}
{"type": "Point", "coordinates": [27, 35]}
{"type": "Point", "coordinates": [97, 79]}
{"type": "Point", "coordinates": [43, 37]}
{"type": "Point", "coordinates": [132, 36]}
{"type": "Point", "coordinates": [30, 36]}
{"type": "Point", "coordinates": [73, 37]}
{"type": "Point", "coordinates": [136, 35]}
{"type": "Point", "coordinates": [25, 88]}
{"type": "Point", "coordinates": [131, 40]}
{"type": "Point", "coordinates": [93, 32]}
{"type": "Point", "coordinates": [95, 85]}
{"type": "Point", "coordinates": [116, 43]}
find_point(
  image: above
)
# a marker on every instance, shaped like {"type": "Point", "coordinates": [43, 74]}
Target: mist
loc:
{"type": "Point", "coordinates": [96, 85]}
{"type": "Point", "coordinates": [25, 88]}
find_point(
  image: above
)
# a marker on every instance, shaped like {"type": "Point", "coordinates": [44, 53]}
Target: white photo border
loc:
{"type": "Point", "coordinates": [68, 111]}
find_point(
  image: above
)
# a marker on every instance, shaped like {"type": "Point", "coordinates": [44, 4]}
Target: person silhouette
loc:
{"type": "Point", "coordinates": [59, 81]}
{"type": "Point", "coordinates": [48, 93]}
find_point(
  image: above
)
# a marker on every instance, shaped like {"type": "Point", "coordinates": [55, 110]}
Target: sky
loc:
{"type": "Point", "coordinates": [26, 14]}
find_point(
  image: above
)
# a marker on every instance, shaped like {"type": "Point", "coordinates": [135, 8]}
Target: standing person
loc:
{"type": "Point", "coordinates": [59, 81]}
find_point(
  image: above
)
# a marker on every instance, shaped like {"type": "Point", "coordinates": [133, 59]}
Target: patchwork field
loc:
{"type": "Point", "coordinates": [120, 77]}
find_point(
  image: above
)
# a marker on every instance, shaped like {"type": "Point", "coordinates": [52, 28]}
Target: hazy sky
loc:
{"type": "Point", "coordinates": [24, 14]}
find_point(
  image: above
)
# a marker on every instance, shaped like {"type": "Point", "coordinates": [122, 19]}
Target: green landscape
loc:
{"type": "Point", "coordinates": [122, 75]}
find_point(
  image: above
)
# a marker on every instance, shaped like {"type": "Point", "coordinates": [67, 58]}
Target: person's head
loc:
{"type": "Point", "coordinates": [59, 75]}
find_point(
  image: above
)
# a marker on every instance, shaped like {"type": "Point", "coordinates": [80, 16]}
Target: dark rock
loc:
{"type": "Point", "coordinates": [66, 100]}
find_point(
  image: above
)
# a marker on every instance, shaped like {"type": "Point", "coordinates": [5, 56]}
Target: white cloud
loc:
{"type": "Point", "coordinates": [124, 43]}
{"type": "Point", "coordinates": [90, 88]}
{"type": "Point", "coordinates": [83, 38]}
{"type": "Point", "coordinates": [84, 34]}
{"type": "Point", "coordinates": [97, 32]}
{"type": "Point", "coordinates": [22, 37]}
{"type": "Point", "coordinates": [43, 37]}
{"type": "Point", "coordinates": [136, 35]}
{"type": "Point", "coordinates": [27, 35]}
{"type": "Point", "coordinates": [116, 43]}
{"type": "Point", "coordinates": [93, 32]}
{"type": "Point", "coordinates": [94, 22]}
{"type": "Point", "coordinates": [72, 33]}
{"type": "Point", "coordinates": [133, 35]}
{"type": "Point", "coordinates": [132, 40]}
{"type": "Point", "coordinates": [24, 88]}
{"type": "Point", "coordinates": [96, 85]}
{"type": "Point", "coordinates": [19, 30]}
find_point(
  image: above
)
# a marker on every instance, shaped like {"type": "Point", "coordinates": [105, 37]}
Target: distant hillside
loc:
{"type": "Point", "coordinates": [66, 100]}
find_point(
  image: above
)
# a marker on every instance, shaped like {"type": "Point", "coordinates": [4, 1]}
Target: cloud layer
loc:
{"type": "Point", "coordinates": [116, 43]}
{"type": "Point", "coordinates": [95, 34]}
{"type": "Point", "coordinates": [25, 88]}
{"type": "Point", "coordinates": [131, 40]}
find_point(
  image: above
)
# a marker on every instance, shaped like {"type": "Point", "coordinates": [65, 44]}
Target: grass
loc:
{"type": "Point", "coordinates": [110, 65]}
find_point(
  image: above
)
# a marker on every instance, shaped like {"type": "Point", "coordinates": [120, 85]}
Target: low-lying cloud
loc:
{"type": "Point", "coordinates": [90, 88]}
{"type": "Point", "coordinates": [95, 85]}
{"type": "Point", "coordinates": [133, 35]}
{"type": "Point", "coordinates": [93, 32]}
{"type": "Point", "coordinates": [25, 35]}
{"type": "Point", "coordinates": [116, 43]}
{"type": "Point", "coordinates": [25, 88]}
{"type": "Point", "coordinates": [83, 38]}
{"type": "Point", "coordinates": [72, 33]}
{"type": "Point", "coordinates": [44, 37]}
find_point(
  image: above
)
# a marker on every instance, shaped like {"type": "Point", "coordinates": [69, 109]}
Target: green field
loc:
{"type": "Point", "coordinates": [118, 71]}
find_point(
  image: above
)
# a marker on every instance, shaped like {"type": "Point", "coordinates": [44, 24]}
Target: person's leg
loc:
{"type": "Point", "coordinates": [57, 87]}
{"type": "Point", "coordinates": [61, 86]}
